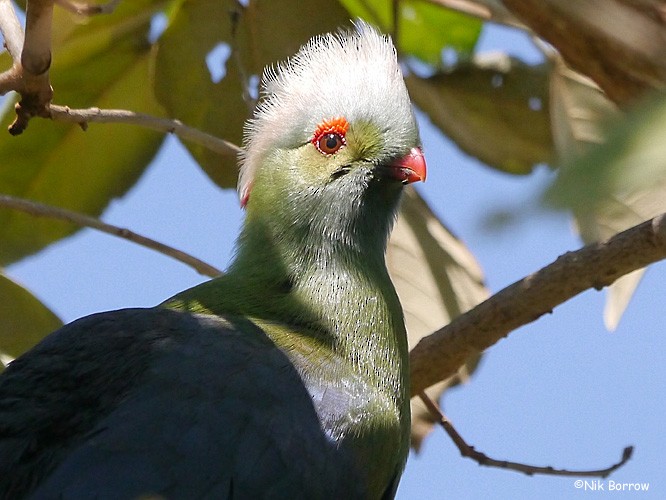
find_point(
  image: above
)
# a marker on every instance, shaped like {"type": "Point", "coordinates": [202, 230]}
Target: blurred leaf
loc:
{"type": "Point", "coordinates": [59, 164]}
{"type": "Point", "coordinates": [494, 107]}
{"type": "Point", "coordinates": [613, 173]}
{"type": "Point", "coordinates": [24, 320]}
{"type": "Point", "coordinates": [263, 33]}
{"type": "Point", "coordinates": [445, 28]}
{"type": "Point", "coordinates": [631, 156]}
{"type": "Point", "coordinates": [437, 279]}
{"type": "Point", "coordinates": [6, 60]}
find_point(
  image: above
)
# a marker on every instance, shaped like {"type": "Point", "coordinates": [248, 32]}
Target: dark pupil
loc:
{"type": "Point", "coordinates": [331, 141]}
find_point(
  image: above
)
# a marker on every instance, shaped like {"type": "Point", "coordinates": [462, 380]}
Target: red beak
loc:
{"type": "Point", "coordinates": [410, 168]}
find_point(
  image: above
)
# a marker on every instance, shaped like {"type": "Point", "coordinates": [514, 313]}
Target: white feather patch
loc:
{"type": "Point", "coordinates": [354, 74]}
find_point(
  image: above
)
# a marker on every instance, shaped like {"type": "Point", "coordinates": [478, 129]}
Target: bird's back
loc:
{"type": "Point", "coordinates": [153, 401]}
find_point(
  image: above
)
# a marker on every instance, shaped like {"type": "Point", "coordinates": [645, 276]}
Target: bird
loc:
{"type": "Point", "coordinates": [285, 377]}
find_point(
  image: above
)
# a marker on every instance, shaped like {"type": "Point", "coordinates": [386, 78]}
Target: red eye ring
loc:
{"type": "Point", "coordinates": [329, 136]}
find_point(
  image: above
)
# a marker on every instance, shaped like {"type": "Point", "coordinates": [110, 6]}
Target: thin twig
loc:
{"type": "Point", "coordinates": [30, 73]}
{"type": "Point", "coordinates": [31, 53]}
{"type": "Point", "coordinates": [482, 459]}
{"type": "Point", "coordinates": [11, 29]}
{"type": "Point", "coordinates": [12, 32]}
{"type": "Point", "coordinates": [438, 356]}
{"type": "Point", "coordinates": [10, 79]}
{"type": "Point", "coordinates": [85, 116]}
{"type": "Point", "coordinates": [42, 210]}
{"type": "Point", "coordinates": [468, 7]}
{"type": "Point", "coordinates": [31, 79]}
{"type": "Point", "coordinates": [494, 12]}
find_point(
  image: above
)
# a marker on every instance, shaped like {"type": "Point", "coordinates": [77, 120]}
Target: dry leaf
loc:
{"type": "Point", "coordinates": [437, 278]}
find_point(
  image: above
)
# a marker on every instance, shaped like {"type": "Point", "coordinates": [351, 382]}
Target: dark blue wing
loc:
{"type": "Point", "coordinates": [148, 401]}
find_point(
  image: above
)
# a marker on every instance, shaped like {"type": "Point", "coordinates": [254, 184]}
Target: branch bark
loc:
{"type": "Point", "coordinates": [85, 116]}
{"type": "Point", "coordinates": [13, 35]}
{"type": "Point", "coordinates": [31, 52]}
{"type": "Point", "coordinates": [439, 355]}
{"type": "Point", "coordinates": [29, 75]}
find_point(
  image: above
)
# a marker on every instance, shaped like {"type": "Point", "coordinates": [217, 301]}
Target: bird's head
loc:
{"type": "Point", "coordinates": [334, 123]}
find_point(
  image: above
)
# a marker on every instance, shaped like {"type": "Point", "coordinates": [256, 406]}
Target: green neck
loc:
{"type": "Point", "coordinates": [323, 276]}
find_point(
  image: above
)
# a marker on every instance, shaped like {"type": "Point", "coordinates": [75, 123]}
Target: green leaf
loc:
{"type": "Point", "coordinates": [261, 34]}
{"type": "Point", "coordinates": [494, 108]}
{"type": "Point", "coordinates": [62, 165]}
{"type": "Point", "coordinates": [77, 38]}
{"type": "Point", "coordinates": [437, 279]}
{"type": "Point", "coordinates": [424, 30]}
{"type": "Point", "coordinates": [24, 320]}
{"type": "Point", "coordinates": [184, 86]}
{"type": "Point", "coordinates": [5, 61]}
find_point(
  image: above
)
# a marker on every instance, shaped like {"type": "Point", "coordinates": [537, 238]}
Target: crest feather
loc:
{"type": "Point", "coordinates": [351, 73]}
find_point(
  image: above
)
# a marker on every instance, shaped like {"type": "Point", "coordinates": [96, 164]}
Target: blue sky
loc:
{"type": "Point", "coordinates": [562, 391]}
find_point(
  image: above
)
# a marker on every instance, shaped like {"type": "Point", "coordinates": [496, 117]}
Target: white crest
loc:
{"type": "Point", "coordinates": [354, 74]}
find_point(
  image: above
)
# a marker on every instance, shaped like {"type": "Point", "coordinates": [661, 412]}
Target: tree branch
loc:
{"type": "Point", "coordinates": [41, 210]}
{"type": "Point", "coordinates": [30, 74]}
{"type": "Point", "coordinates": [29, 77]}
{"type": "Point", "coordinates": [31, 53]}
{"type": "Point", "coordinates": [482, 459]}
{"type": "Point", "coordinates": [439, 355]}
{"type": "Point", "coordinates": [85, 116]}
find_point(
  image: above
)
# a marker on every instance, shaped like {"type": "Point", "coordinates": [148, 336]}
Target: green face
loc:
{"type": "Point", "coordinates": [306, 168]}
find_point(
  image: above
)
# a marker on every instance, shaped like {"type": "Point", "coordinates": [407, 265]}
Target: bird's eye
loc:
{"type": "Point", "coordinates": [329, 136]}
{"type": "Point", "coordinates": [330, 143]}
